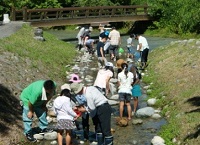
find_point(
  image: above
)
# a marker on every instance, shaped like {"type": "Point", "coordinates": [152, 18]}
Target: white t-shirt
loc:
{"type": "Point", "coordinates": [125, 82]}
{"type": "Point", "coordinates": [114, 36]}
{"type": "Point", "coordinates": [101, 78]}
{"type": "Point", "coordinates": [142, 40]}
{"type": "Point", "coordinates": [129, 42]}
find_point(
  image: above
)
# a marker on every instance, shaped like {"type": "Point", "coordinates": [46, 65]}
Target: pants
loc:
{"type": "Point", "coordinates": [102, 120]}
{"type": "Point", "coordinates": [41, 115]}
{"type": "Point", "coordinates": [113, 49]}
{"type": "Point", "coordinates": [144, 55]}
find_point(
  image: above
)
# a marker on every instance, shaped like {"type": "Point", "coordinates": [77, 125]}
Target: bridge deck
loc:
{"type": "Point", "coordinates": [81, 15]}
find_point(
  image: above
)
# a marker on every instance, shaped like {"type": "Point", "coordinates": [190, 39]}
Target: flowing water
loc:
{"type": "Point", "coordinates": [132, 134]}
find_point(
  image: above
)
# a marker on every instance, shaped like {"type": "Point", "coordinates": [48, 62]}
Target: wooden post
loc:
{"type": "Point", "coordinates": [24, 14]}
{"type": "Point", "coordinates": [13, 14]}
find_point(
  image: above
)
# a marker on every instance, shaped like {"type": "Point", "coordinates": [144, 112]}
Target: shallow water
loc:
{"type": "Point", "coordinates": [132, 134]}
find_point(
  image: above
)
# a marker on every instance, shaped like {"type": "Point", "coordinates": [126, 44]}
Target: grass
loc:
{"type": "Point", "coordinates": [175, 73]}
{"type": "Point", "coordinates": [52, 52]}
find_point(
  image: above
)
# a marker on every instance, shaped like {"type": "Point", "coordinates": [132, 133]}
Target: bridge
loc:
{"type": "Point", "coordinates": [81, 15]}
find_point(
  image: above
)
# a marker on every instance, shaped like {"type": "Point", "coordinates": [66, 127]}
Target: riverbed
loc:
{"type": "Point", "coordinates": [132, 134]}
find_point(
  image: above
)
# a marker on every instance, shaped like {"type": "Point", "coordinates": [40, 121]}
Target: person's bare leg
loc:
{"type": "Point", "coordinates": [121, 109]}
{"type": "Point", "coordinates": [135, 104]}
{"type": "Point", "coordinates": [129, 110]}
{"type": "Point", "coordinates": [60, 138]}
{"type": "Point", "coordinates": [68, 137]}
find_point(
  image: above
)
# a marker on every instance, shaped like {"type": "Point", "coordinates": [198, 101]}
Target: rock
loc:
{"type": "Point", "coordinates": [151, 102]}
{"type": "Point", "coordinates": [157, 140]}
{"type": "Point", "coordinates": [156, 116]}
{"type": "Point", "coordinates": [137, 121]}
{"type": "Point", "coordinates": [50, 135]}
{"type": "Point", "coordinates": [54, 142]}
{"type": "Point", "coordinates": [38, 136]}
{"type": "Point", "coordinates": [112, 80]}
{"type": "Point", "coordinates": [115, 97]}
{"type": "Point", "coordinates": [122, 122]}
{"type": "Point", "coordinates": [113, 102]}
{"type": "Point", "coordinates": [145, 112]}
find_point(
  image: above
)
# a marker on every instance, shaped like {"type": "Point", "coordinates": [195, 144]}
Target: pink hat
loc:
{"type": "Point", "coordinates": [75, 78]}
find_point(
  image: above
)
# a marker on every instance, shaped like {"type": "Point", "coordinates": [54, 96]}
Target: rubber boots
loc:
{"type": "Point", "coordinates": [99, 137]}
{"type": "Point", "coordinates": [108, 140]}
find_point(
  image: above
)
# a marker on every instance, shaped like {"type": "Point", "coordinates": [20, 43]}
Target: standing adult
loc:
{"type": "Point", "coordinates": [102, 81]}
{"type": "Point", "coordinates": [115, 41]}
{"type": "Point", "coordinates": [34, 99]}
{"type": "Point", "coordinates": [102, 117]}
{"type": "Point", "coordinates": [80, 37]}
{"type": "Point", "coordinates": [144, 48]}
{"type": "Point", "coordinates": [125, 80]}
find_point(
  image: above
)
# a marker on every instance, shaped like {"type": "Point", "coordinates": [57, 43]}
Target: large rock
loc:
{"type": "Point", "coordinates": [50, 135]}
{"type": "Point", "coordinates": [157, 140]}
{"type": "Point", "coordinates": [145, 112]}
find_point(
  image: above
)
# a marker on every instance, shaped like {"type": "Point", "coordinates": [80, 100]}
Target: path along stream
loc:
{"type": "Point", "coordinates": [140, 134]}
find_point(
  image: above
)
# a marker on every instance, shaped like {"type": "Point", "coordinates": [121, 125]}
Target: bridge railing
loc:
{"type": "Point", "coordinates": [30, 15]}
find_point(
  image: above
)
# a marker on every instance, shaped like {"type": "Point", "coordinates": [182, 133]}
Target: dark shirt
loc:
{"type": "Point", "coordinates": [99, 45]}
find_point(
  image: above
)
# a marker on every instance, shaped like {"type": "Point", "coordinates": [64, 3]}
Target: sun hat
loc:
{"type": "Point", "coordinates": [119, 63]}
{"type": "Point", "coordinates": [75, 78]}
{"type": "Point", "coordinates": [109, 64]}
{"type": "Point", "coordinates": [76, 87]}
{"type": "Point", "coordinates": [65, 86]}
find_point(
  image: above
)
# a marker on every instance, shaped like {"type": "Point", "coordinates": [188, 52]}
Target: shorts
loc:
{"type": "Point", "coordinates": [136, 91]}
{"type": "Point", "coordinates": [124, 97]}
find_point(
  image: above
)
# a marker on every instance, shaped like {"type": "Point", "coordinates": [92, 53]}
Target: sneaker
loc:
{"type": "Point", "coordinates": [30, 137]}
{"type": "Point", "coordinates": [46, 130]}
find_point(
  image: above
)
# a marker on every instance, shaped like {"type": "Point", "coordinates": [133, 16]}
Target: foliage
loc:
{"type": "Point", "coordinates": [181, 16]}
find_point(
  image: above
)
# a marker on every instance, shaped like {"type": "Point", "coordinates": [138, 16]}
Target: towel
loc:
{"type": "Point", "coordinates": [44, 95]}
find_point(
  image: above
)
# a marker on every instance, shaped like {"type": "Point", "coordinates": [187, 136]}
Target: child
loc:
{"type": "Point", "coordinates": [100, 52]}
{"type": "Point", "coordinates": [130, 46]}
{"type": "Point", "coordinates": [65, 116]}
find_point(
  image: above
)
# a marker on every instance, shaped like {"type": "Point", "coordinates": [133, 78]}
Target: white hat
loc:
{"type": "Point", "coordinates": [109, 64]}
{"type": "Point", "coordinates": [65, 86]}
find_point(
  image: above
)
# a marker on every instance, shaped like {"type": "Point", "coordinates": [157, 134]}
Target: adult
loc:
{"type": "Point", "coordinates": [103, 78]}
{"type": "Point", "coordinates": [115, 41]}
{"type": "Point", "coordinates": [125, 80]}
{"type": "Point", "coordinates": [81, 100]}
{"type": "Point", "coordinates": [101, 53]}
{"type": "Point", "coordinates": [90, 45]}
{"type": "Point", "coordinates": [34, 98]}
{"type": "Point", "coordinates": [102, 118]}
{"type": "Point", "coordinates": [144, 48]}
{"type": "Point", "coordinates": [80, 37]}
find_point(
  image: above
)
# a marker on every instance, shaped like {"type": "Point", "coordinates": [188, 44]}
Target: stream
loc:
{"type": "Point", "coordinates": [132, 134]}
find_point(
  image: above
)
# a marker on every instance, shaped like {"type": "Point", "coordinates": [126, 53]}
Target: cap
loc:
{"type": "Point", "coordinates": [109, 64]}
{"type": "Point", "coordinates": [76, 87]}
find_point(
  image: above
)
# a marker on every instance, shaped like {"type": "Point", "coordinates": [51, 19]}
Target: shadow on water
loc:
{"type": "Point", "coordinates": [10, 109]}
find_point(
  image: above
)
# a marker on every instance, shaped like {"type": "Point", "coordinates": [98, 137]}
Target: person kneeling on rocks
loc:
{"type": "Point", "coordinates": [96, 101]}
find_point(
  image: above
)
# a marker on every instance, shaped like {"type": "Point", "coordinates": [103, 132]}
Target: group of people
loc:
{"type": "Point", "coordinates": [77, 100]}
{"type": "Point", "coordinates": [110, 41]}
